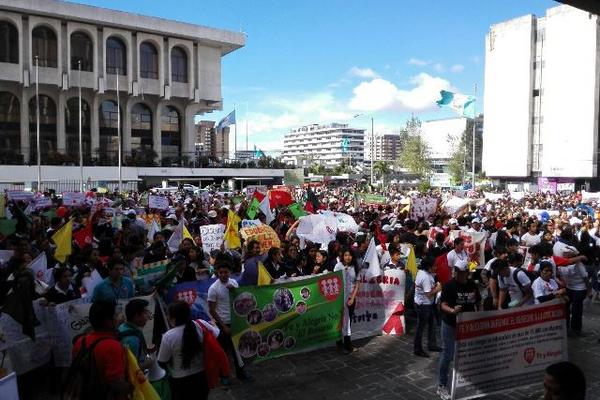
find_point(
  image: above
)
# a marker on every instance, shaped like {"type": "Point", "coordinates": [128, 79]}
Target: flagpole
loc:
{"type": "Point", "coordinates": [119, 130]}
{"type": "Point", "coordinates": [474, 128]}
{"type": "Point", "coordinates": [37, 123]}
{"type": "Point", "coordinates": [80, 134]}
{"type": "Point", "coordinates": [234, 137]}
{"type": "Point", "coordinates": [246, 126]}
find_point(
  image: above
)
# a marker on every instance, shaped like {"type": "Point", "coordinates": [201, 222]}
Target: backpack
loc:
{"type": "Point", "coordinates": [530, 274]}
{"type": "Point", "coordinates": [83, 380]}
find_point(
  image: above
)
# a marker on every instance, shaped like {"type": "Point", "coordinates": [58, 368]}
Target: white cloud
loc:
{"type": "Point", "coordinates": [383, 95]}
{"type": "Point", "coordinates": [457, 68]}
{"type": "Point", "coordinates": [418, 62]}
{"type": "Point", "coordinates": [365, 73]}
{"type": "Point", "coordinates": [475, 59]}
{"type": "Point", "coordinates": [438, 67]}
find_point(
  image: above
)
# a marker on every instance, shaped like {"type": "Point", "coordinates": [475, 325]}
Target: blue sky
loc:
{"type": "Point", "coordinates": [321, 61]}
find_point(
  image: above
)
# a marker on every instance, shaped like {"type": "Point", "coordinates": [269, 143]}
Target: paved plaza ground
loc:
{"type": "Point", "coordinates": [385, 368]}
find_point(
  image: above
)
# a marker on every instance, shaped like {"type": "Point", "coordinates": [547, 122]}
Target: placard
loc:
{"type": "Point", "coordinates": [264, 234]}
{"type": "Point", "coordinates": [158, 202]}
{"type": "Point", "coordinates": [212, 237]}
{"type": "Point", "coordinates": [73, 199]}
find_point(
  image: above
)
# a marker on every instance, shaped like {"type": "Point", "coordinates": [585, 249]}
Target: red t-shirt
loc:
{"type": "Point", "coordinates": [109, 354]}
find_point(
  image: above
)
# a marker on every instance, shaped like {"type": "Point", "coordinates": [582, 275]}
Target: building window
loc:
{"type": "Point", "coordinates": [170, 133]}
{"type": "Point", "coordinates": [116, 57]}
{"type": "Point", "coordinates": [109, 139]}
{"type": "Point", "coordinates": [9, 43]}
{"type": "Point", "coordinates": [47, 110]}
{"type": "Point", "coordinates": [141, 134]}
{"type": "Point", "coordinates": [44, 47]}
{"type": "Point", "coordinates": [10, 126]}
{"type": "Point", "coordinates": [179, 65]}
{"type": "Point", "coordinates": [148, 61]}
{"type": "Point", "coordinates": [72, 128]}
{"type": "Point", "coordinates": [82, 49]}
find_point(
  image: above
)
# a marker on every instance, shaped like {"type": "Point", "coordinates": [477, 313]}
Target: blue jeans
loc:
{"type": "Point", "coordinates": [448, 337]}
{"type": "Point", "coordinates": [424, 317]}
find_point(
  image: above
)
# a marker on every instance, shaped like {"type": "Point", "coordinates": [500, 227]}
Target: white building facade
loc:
{"type": "Point", "coordinates": [168, 72]}
{"type": "Point", "coordinates": [542, 96]}
{"type": "Point", "coordinates": [442, 137]}
{"type": "Point", "coordinates": [327, 145]}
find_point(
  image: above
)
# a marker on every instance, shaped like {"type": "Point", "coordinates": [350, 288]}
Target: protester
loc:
{"type": "Point", "coordinates": [564, 381]}
{"type": "Point", "coordinates": [351, 286]}
{"type": "Point", "coordinates": [513, 284]}
{"type": "Point", "coordinates": [115, 286]}
{"type": "Point", "coordinates": [425, 293]}
{"type": "Point", "coordinates": [545, 288]}
{"type": "Point", "coordinates": [130, 332]}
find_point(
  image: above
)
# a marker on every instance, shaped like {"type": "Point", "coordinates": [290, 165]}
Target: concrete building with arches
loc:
{"type": "Point", "coordinates": [168, 72]}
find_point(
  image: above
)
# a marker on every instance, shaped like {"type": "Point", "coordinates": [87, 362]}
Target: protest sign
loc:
{"type": "Point", "coordinates": [212, 237]}
{"type": "Point", "coordinates": [73, 199]}
{"type": "Point", "coordinates": [505, 349]}
{"type": "Point", "coordinates": [158, 202]}
{"type": "Point", "coordinates": [264, 234]}
{"type": "Point", "coordinates": [146, 274]}
{"type": "Point", "coordinates": [19, 195]}
{"type": "Point", "coordinates": [474, 245]}
{"type": "Point", "coordinates": [195, 294]}
{"type": "Point", "coordinates": [42, 202]}
{"type": "Point", "coordinates": [380, 305]}
{"type": "Point", "coordinates": [318, 228]}
{"type": "Point", "coordinates": [423, 207]}
{"type": "Point", "coordinates": [453, 205]}
{"type": "Point", "coordinates": [250, 222]}
{"type": "Point", "coordinates": [493, 196]}
{"type": "Point", "coordinates": [276, 320]}
{"type": "Point", "coordinates": [370, 199]}
{"type": "Point", "coordinates": [588, 197]}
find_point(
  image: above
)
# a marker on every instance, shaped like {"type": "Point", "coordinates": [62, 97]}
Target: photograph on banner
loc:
{"type": "Point", "coordinates": [423, 207]}
{"type": "Point", "coordinates": [380, 305]}
{"type": "Point", "coordinates": [195, 294]}
{"type": "Point", "coordinates": [505, 349]}
{"type": "Point", "coordinates": [212, 237]}
{"type": "Point", "coordinates": [158, 202]}
{"type": "Point", "coordinates": [474, 245]}
{"type": "Point", "coordinates": [276, 320]}
{"type": "Point", "coordinates": [263, 234]}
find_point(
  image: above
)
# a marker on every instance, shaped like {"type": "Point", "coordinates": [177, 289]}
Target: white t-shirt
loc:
{"type": "Point", "coordinates": [488, 265]}
{"type": "Point", "coordinates": [542, 288]}
{"type": "Point", "coordinates": [170, 351]}
{"type": "Point", "coordinates": [512, 287]}
{"type": "Point", "coordinates": [218, 293]}
{"type": "Point", "coordinates": [424, 283]}
{"type": "Point", "coordinates": [453, 257]}
{"type": "Point", "coordinates": [531, 240]}
{"type": "Point", "coordinates": [349, 278]}
{"type": "Point", "coordinates": [575, 275]}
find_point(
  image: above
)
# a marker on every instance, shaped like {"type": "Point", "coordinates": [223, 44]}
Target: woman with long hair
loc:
{"type": "Point", "coordinates": [349, 267]}
{"type": "Point", "coordinates": [321, 263]}
{"type": "Point", "coordinates": [181, 351]}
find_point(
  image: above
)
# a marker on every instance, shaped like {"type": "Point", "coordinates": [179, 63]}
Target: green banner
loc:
{"type": "Point", "coordinates": [145, 274]}
{"type": "Point", "coordinates": [276, 320]}
{"type": "Point", "coordinates": [370, 199]}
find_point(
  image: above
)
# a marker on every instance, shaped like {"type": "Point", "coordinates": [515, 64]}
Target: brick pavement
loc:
{"type": "Point", "coordinates": [385, 368]}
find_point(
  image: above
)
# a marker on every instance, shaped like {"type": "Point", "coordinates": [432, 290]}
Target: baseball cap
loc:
{"type": "Point", "coordinates": [453, 221]}
{"type": "Point", "coordinates": [461, 265]}
{"type": "Point", "coordinates": [212, 214]}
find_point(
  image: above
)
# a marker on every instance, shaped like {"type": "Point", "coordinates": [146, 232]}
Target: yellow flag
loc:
{"type": "Point", "coordinates": [411, 262]}
{"type": "Point", "coordinates": [2, 206]}
{"type": "Point", "coordinates": [264, 278]}
{"type": "Point", "coordinates": [186, 233]}
{"type": "Point", "coordinates": [232, 236]}
{"type": "Point", "coordinates": [142, 389]}
{"type": "Point", "coordinates": [63, 240]}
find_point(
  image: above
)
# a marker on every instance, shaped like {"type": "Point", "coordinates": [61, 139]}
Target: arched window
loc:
{"type": "Point", "coordinates": [9, 43]}
{"type": "Point", "coordinates": [116, 56]}
{"type": "Point", "coordinates": [148, 61]}
{"type": "Point", "coordinates": [141, 135]}
{"type": "Point", "coordinates": [47, 109]}
{"type": "Point", "coordinates": [179, 65]}
{"type": "Point", "coordinates": [44, 46]}
{"type": "Point", "coordinates": [10, 126]}
{"type": "Point", "coordinates": [109, 136]}
{"type": "Point", "coordinates": [170, 134]}
{"type": "Point", "coordinates": [72, 128]}
{"type": "Point", "coordinates": [82, 49]}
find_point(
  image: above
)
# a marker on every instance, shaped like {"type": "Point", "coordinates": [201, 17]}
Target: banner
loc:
{"type": "Point", "coordinates": [264, 234]}
{"type": "Point", "coordinates": [195, 294]}
{"type": "Point", "coordinates": [42, 202]}
{"type": "Point", "coordinates": [276, 320]}
{"type": "Point", "coordinates": [73, 199]}
{"type": "Point", "coordinates": [212, 237]}
{"type": "Point", "coordinates": [370, 199]}
{"type": "Point", "coordinates": [474, 245]}
{"type": "Point", "coordinates": [17, 195]}
{"type": "Point", "coordinates": [158, 202]}
{"type": "Point", "coordinates": [493, 196]}
{"type": "Point", "coordinates": [145, 274]}
{"type": "Point", "coordinates": [423, 207]}
{"type": "Point", "coordinates": [502, 350]}
{"type": "Point", "coordinates": [380, 305]}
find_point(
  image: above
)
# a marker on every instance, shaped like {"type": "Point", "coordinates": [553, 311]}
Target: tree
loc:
{"type": "Point", "coordinates": [343, 168]}
{"type": "Point", "coordinates": [317, 169]}
{"type": "Point", "coordinates": [381, 169]}
{"type": "Point", "coordinates": [462, 155]}
{"type": "Point", "coordinates": [415, 157]}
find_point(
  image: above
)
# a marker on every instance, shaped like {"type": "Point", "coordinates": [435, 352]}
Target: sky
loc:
{"type": "Point", "coordinates": [326, 61]}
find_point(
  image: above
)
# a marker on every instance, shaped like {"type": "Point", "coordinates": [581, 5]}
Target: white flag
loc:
{"type": "Point", "coordinates": [39, 267]}
{"type": "Point", "coordinates": [176, 237]}
{"type": "Point", "coordinates": [154, 228]}
{"type": "Point", "coordinates": [371, 261]}
{"type": "Point", "coordinates": [265, 207]}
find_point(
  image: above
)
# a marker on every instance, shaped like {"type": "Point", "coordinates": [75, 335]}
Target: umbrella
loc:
{"type": "Point", "coordinates": [345, 222]}
{"type": "Point", "coordinates": [317, 228]}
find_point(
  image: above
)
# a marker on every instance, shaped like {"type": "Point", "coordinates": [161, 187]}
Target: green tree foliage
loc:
{"type": "Point", "coordinates": [414, 151]}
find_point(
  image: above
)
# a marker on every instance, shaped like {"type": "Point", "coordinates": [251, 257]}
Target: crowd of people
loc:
{"type": "Point", "coordinates": [556, 234]}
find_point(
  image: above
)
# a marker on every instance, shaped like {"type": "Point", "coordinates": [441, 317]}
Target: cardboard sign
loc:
{"type": "Point", "coordinates": [212, 237]}
{"type": "Point", "coordinates": [158, 202]}
{"type": "Point", "coordinates": [264, 234]}
{"type": "Point", "coordinates": [73, 199]}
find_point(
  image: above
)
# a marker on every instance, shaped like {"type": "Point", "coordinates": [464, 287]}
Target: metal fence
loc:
{"type": "Point", "coordinates": [72, 185]}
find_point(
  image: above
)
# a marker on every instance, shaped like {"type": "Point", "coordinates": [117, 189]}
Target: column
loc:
{"type": "Point", "coordinates": [156, 130]}
{"type": "Point", "coordinates": [25, 145]}
{"type": "Point", "coordinates": [61, 137]}
{"type": "Point", "coordinates": [126, 104]}
{"type": "Point", "coordinates": [95, 125]}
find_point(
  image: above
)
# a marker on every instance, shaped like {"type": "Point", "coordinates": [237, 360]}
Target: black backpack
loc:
{"type": "Point", "coordinates": [531, 275]}
{"type": "Point", "coordinates": [83, 380]}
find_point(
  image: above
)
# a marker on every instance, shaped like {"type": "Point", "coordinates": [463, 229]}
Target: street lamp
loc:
{"type": "Point", "coordinates": [372, 144]}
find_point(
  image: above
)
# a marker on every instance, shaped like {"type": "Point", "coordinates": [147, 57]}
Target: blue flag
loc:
{"type": "Point", "coordinates": [461, 104]}
{"type": "Point", "coordinates": [228, 120]}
